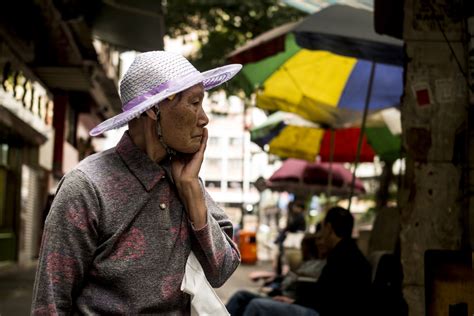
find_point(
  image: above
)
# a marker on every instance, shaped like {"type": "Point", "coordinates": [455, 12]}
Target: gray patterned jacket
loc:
{"type": "Point", "coordinates": [117, 239]}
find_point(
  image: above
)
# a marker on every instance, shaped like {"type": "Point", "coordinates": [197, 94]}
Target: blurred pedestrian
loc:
{"type": "Point", "coordinates": [290, 237]}
{"type": "Point", "coordinates": [124, 221]}
{"type": "Point", "coordinates": [296, 221]}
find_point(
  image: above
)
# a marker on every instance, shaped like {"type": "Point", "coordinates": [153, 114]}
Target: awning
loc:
{"type": "Point", "coordinates": [65, 78]}
{"type": "Point", "coordinates": [130, 24]}
{"type": "Point", "coordinates": [80, 79]}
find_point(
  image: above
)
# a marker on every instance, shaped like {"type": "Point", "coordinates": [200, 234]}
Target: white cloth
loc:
{"type": "Point", "coordinates": [204, 301]}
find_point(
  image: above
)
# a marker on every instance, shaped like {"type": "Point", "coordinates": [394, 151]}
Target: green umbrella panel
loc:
{"type": "Point", "coordinates": [256, 73]}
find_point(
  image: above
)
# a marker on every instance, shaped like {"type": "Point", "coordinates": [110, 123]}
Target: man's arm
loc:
{"type": "Point", "coordinates": [68, 245]}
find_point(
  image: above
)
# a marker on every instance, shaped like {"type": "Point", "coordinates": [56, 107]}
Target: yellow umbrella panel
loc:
{"type": "Point", "coordinates": [297, 142]}
{"type": "Point", "coordinates": [310, 84]}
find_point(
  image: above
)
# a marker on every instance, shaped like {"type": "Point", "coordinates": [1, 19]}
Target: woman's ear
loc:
{"type": "Point", "coordinates": [151, 114]}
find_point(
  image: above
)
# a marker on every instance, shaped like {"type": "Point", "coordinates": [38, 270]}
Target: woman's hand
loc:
{"type": "Point", "coordinates": [185, 170]}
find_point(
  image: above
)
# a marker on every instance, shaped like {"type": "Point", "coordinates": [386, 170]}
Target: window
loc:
{"type": "Point", "coordinates": [235, 185]}
{"type": "Point", "coordinates": [213, 166]}
{"type": "Point", "coordinates": [235, 164]}
{"type": "Point", "coordinates": [213, 184]}
{"type": "Point", "coordinates": [213, 141]}
{"type": "Point", "coordinates": [236, 141]}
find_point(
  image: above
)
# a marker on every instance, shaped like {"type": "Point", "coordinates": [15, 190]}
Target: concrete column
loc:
{"type": "Point", "coordinates": [434, 121]}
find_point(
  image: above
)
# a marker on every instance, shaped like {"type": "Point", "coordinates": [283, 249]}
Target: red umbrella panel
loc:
{"type": "Point", "coordinates": [345, 146]}
{"type": "Point", "coordinates": [303, 177]}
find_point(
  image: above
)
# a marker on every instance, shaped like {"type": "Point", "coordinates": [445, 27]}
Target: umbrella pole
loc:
{"type": "Point", "coordinates": [362, 131]}
{"type": "Point", "coordinates": [331, 159]}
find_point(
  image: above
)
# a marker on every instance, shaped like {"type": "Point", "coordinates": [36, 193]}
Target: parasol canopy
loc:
{"type": "Point", "coordinates": [330, 89]}
{"type": "Point", "coordinates": [287, 135]}
{"type": "Point", "coordinates": [341, 29]}
{"type": "Point", "coordinates": [348, 31]}
{"type": "Point", "coordinates": [345, 31]}
{"type": "Point", "coordinates": [303, 177]}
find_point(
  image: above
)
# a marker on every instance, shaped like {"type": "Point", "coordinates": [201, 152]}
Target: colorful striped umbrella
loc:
{"type": "Point", "coordinates": [324, 82]}
{"type": "Point", "coordinates": [321, 86]}
{"type": "Point", "coordinates": [289, 136]}
{"type": "Point", "coordinates": [341, 30]}
{"type": "Point", "coordinates": [330, 89]}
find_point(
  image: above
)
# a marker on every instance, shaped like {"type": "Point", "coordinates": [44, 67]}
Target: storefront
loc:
{"type": "Point", "coordinates": [26, 137]}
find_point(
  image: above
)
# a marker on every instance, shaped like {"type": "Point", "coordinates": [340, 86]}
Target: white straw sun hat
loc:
{"type": "Point", "coordinates": [156, 75]}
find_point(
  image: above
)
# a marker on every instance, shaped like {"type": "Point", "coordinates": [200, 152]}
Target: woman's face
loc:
{"type": "Point", "coordinates": [183, 120]}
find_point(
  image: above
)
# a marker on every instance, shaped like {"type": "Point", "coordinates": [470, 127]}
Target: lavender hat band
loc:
{"type": "Point", "coordinates": [198, 77]}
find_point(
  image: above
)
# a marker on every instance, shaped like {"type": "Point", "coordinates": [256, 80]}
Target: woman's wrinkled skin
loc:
{"type": "Point", "coordinates": [182, 121]}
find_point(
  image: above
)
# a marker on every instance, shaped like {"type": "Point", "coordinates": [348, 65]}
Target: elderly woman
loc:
{"type": "Point", "coordinates": [124, 221]}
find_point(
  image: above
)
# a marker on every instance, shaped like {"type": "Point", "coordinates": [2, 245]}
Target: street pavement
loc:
{"type": "Point", "coordinates": [16, 286]}
{"type": "Point", "coordinates": [240, 280]}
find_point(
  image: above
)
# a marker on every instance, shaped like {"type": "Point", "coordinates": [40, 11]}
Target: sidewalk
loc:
{"type": "Point", "coordinates": [16, 289]}
{"type": "Point", "coordinates": [16, 286]}
{"type": "Point", "coordinates": [240, 280]}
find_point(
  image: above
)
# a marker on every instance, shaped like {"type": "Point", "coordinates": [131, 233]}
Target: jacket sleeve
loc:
{"type": "Point", "coordinates": [213, 245]}
{"type": "Point", "coordinates": [68, 244]}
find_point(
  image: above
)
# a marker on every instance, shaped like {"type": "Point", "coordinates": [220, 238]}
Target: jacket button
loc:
{"type": "Point", "coordinates": [162, 206]}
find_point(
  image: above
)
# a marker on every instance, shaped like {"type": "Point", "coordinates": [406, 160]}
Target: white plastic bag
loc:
{"type": "Point", "coordinates": [204, 300]}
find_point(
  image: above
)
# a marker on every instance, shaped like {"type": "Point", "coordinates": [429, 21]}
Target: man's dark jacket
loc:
{"type": "Point", "coordinates": [344, 285]}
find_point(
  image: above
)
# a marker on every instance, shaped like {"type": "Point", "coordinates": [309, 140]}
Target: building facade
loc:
{"type": "Point", "coordinates": [60, 65]}
{"type": "Point", "coordinates": [232, 162]}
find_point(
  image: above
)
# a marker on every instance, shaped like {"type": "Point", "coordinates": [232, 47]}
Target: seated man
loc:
{"type": "Point", "coordinates": [344, 284]}
{"type": "Point", "coordinates": [313, 253]}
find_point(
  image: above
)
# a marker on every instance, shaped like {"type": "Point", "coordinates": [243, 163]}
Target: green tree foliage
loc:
{"type": "Point", "coordinates": [224, 25]}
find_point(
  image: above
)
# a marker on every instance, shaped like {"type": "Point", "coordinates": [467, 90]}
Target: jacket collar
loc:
{"type": "Point", "coordinates": [148, 172]}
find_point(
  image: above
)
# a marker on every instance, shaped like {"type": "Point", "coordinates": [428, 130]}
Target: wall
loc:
{"type": "Point", "coordinates": [434, 121]}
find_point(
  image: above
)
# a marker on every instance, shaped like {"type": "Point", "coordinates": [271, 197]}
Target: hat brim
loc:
{"type": "Point", "coordinates": [210, 79]}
